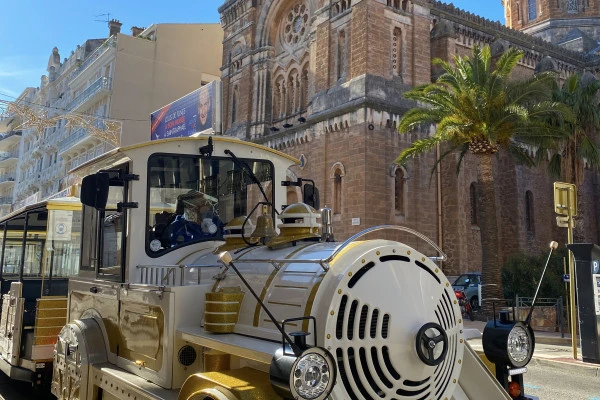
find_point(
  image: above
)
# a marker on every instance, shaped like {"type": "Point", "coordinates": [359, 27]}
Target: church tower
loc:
{"type": "Point", "coordinates": [572, 24]}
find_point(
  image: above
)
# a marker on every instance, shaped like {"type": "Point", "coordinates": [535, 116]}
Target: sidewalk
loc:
{"type": "Point", "coordinates": [550, 348]}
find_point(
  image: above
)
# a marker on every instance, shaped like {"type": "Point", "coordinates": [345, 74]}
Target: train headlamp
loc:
{"type": "Point", "coordinates": [508, 342]}
{"type": "Point", "coordinates": [310, 376]}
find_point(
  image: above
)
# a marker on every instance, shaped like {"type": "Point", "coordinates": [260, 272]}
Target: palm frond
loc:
{"type": "Point", "coordinates": [418, 147]}
{"type": "Point", "coordinates": [554, 166]}
{"type": "Point", "coordinates": [520, 154]}
{"type": "Point", "coordinates": [590, 151]}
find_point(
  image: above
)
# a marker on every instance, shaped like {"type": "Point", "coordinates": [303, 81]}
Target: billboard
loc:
{"type": "Point", "coordinates": [199, 111]}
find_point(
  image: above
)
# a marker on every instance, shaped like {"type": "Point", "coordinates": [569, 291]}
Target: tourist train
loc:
{"type": "Point", "coordinates": [207, 271]}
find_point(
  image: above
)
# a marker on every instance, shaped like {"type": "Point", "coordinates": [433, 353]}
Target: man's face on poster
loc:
{"type": "Point", "coordinates": [204, 106]}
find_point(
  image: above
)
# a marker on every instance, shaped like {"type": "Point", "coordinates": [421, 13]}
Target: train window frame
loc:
{"type": "Point", "coordinates": [150, 234]}
{"type": "Point", "coordinates": [93, 244]}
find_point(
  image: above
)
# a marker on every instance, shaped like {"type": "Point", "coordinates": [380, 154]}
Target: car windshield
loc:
{"type": "Point", "coordinates": [462, 280]}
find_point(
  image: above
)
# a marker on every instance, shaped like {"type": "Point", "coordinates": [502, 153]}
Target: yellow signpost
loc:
{"type": "Point", "coordinates": [565, 205]}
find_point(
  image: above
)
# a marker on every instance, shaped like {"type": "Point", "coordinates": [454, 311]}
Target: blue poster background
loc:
{"type": "Point", "coordinates": [190, 114]}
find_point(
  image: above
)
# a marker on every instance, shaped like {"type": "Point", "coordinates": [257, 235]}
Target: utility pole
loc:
{"type": "Point", "coordinates": [565, 205]}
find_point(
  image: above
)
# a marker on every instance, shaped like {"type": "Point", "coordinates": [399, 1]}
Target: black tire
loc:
{"type": "Point", "coordinates": [474, 303]}
{"type": "Point", "coordinates": [471, 314]}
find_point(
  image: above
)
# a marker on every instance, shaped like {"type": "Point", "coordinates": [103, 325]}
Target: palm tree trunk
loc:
{"type": "Point", "coordinates": [491, 278]}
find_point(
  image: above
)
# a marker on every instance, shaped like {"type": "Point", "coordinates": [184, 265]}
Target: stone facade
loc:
{"type": "Point", "coordinates": [574, 24]}
{"type": "Point", "coordinates": [324, 81]}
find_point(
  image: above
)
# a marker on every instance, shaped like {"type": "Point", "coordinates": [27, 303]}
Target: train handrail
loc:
{"type": "Point", "coordinates": [325, 261]}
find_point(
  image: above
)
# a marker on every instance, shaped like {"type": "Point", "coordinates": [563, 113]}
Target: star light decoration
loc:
{"type": "Point", "coordinates": [103, 129]}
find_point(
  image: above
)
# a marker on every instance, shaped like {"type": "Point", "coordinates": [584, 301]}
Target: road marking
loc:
{"type": "Point", "coordinates": [537, 387]}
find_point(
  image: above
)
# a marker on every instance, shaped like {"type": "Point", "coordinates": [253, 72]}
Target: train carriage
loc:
{"type": "Point", "coordinates": [39, 252]}
{"type": "Point", "coordinates": [187, 290]}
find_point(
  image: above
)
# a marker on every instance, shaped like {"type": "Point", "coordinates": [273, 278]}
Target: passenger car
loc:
{"type": "Point", "coordinates": [470, 283]}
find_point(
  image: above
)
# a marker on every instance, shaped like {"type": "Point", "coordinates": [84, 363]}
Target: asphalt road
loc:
{"type": "Point", "coordinates": [546, 380]}
{"type": "Point", "coordinates": [556, 381]}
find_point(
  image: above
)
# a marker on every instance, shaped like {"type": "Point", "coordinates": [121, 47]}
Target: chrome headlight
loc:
{"type": "Point", "coordinates": [310, 376]}
{"type": "Point", "coordinates": [511, 343]}
{"type": "Point", "coordinates": [519, 345]}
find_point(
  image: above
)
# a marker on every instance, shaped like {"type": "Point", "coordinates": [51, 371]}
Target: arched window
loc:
{"type": "Point", "coordinates": [400, 191]}
{"type": "Point", "coordinates": [529, 216]}
{"type": "Point", "coordinates": [532, 10]}
{"type": "Point", "coordinates": [397, 52]}
{"type": "Point", "coordinates": [404, 5]}
{"type": "Point", "coordinates": [234, 104]}
{"type": "Point", "coordinates": [473, 198]}
{"type": "Point", "coordinates": [337, 173]}
{"type": "Point", "coordinates": [342, 55]}
{"type": "Point", "coordinates": [337, 192]}
{"type": "Point", "coordinates": [518, 11]}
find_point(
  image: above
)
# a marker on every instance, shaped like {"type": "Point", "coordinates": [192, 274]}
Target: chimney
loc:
{"type": "Point", "coordinates": [136, 30]}
{"type": "Point", "coordinates": [114, 27]}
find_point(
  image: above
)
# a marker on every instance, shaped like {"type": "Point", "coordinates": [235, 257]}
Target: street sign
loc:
{"type": "Point", "coordinates": [565, 198]}
{"type": "Point", "coordinates": [566, 278]}
{"type": "Point", "coordinates": [563, 222]}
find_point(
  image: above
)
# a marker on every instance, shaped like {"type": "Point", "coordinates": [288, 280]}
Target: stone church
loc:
{"type": "Point", "coordinates": [323, 80]}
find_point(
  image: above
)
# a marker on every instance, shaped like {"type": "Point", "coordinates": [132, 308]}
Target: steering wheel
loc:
{"type": "Point", "coordinates": [429, 338]}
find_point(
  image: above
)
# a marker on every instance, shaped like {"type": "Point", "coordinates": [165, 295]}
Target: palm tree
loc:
{"type": "Point", "coordinates": [571, 152]}
{"type": "Point", "coordinates": [478, 109]}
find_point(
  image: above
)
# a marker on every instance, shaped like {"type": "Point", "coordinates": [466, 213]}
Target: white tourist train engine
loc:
{"type": "Point", "coordinates": [185, 290]}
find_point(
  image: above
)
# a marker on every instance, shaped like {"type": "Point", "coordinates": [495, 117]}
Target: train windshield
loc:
{"type": "Point", "coordinates": [192, 199]}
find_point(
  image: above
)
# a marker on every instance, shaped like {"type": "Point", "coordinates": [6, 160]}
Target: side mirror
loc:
{"type": "Point", "coordinates": [311, 196]}
{"type": "Point", "coordinates": [94, 190]}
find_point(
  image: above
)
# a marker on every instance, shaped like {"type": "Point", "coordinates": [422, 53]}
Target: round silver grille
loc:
{"type": "Point", "coordinates": [382, 301]}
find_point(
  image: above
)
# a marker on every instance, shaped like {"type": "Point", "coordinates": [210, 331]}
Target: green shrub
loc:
{"type": "Point", "coordinates": [521, 274]}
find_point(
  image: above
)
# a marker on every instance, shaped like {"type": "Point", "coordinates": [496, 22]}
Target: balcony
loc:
{"type": "Point", "coordinates": [107, 45]}
{"type": "Point", "coordinates": [7, 178]}
{"type": "Point", "coordinates": [101, 85]}
{"type": "Point", "coordinates": [77, 136]}
{"type": "Point", "coordinates": [7, 155]}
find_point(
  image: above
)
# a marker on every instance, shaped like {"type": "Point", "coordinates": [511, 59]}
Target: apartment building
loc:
{"type": "Point", "coordinates": [10, 138]}
{"type": "Point", "coordinates": [120, 78]}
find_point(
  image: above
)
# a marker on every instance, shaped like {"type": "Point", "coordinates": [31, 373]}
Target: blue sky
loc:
{"type": "Point", "coordinates": [29, 29]}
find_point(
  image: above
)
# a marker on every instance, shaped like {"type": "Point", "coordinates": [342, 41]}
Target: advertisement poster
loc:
{"type": "Point", "coordinates": [193, 113]}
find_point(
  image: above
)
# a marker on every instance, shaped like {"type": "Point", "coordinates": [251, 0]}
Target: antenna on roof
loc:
{"type": "Point", "coordinates": [106, 15]}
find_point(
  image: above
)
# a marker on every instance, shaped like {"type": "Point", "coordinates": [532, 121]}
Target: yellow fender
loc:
{"type": "Point", "coordinates": [237, 384]}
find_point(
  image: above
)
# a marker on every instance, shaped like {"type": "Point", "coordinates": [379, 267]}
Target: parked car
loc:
{"type": "Point", "coordinates": [470, 283]}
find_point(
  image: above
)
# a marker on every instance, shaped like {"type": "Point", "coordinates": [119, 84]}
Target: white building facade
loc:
{"type": "Point", "coordinates": [122, 78]}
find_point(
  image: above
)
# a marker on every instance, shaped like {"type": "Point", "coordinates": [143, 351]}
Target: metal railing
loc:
{"type": "Point", "coordinates": [9, 134]}
{"type": "Point", "coordinates": [6, 200]}
{"type": "Point", "coordinates": [7, 178]}
{"type": "Point", "coordinates": [7, 155]}
{"type": "Point", "coordinates": [102, 83]}
{"type": "Point", "coordinates": [169, 275]}
{"type": "Point", "coordinates": [77, 136]}
{"type": "Point", "coordinates": [557, 303]}
{"type": "Point", "coordinates": [109, 43]}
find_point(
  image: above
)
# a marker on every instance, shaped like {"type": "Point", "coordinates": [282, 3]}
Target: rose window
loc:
{"type": "Point", "coordinates": [295, 24]}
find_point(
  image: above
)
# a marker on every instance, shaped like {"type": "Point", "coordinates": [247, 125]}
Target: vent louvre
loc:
{"type": "Point", "coordinates": [363, 321]}
{"type": "Point", "coordinates": [385, 326]}
{"type": "Point", "coordinates": [339, 327]}
{"type": "Point", "coordinates": [351, 318]}
{"type": "Point", "coordinates": [374, 323]}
